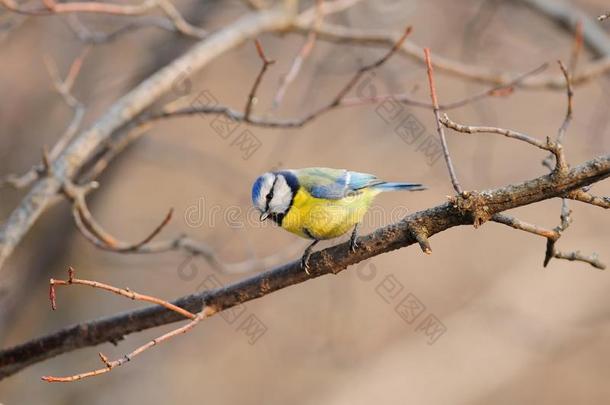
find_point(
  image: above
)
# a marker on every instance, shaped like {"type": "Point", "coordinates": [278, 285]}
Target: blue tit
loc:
{"type": "Point", "coordinates": [319, 203]}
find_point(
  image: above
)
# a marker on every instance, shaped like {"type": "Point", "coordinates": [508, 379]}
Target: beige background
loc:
{"type": "Point", "coordinates": [516, 333]}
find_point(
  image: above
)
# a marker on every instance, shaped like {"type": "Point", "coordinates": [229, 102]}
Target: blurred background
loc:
{"type": "Point", "coordinates": [512, 332]}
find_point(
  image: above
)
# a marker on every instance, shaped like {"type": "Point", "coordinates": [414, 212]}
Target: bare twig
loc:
{"type": "Point", "coordinates": [64, 88]}
{"type": "Point", "coordinates": [561, 133]}
{"type": "Point", "coordinates": [439, 127]}
{"type": "Point", "coordinates": [257, 82]}
{"type": "Point", "coordinates": [570, 94]}
{"type": "Point", "coordinates": [52, 7]}
{"type": "Point", "coordinates": [301, 56]}
{"type": "Point", "coordinates": [524, 226]}
{"type": "Point", "coordinates": [576, 47]}
{"type": "Point", "coordinates": [277, 123]}
{"type": "Point", "coordinates": [125, 292]}
{"type": "Point", "coordinates": [109, 365]}
{"type": "Point", "coordinates": [495, 91]}
{"type": "Point", "coordinates": [592, 259]}
{"type": "Point", "coordinates": [94, 232]}
{"type": "Point", "coordinates": [178, 21]}
{"type": "Point", "coordinates": [580, 195]}
{"type": "Point", "coordinates": [549, 145]}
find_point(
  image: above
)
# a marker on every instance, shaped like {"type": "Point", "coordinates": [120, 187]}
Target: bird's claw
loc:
{"type": "Point", "coordinates": [353, 245]}
{"type": "Point", "coordinates": [305, 264]}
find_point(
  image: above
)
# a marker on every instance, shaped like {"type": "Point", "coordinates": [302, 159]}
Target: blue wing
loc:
{"type": "Point", "coordinates": [334, 184]}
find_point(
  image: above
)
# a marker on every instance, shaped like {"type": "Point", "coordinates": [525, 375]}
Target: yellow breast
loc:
{"type": "Point", "coordinates": [317, 218]}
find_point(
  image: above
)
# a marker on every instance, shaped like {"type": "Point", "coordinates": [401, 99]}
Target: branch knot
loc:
{"type": "Point", "coordinates": [472, 203]}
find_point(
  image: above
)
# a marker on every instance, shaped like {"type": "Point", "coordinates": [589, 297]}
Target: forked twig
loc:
{"type": "Point", "coordinates": [257, 82]}
{"type": "Point", "coordinates": [93, 231]}
{"type": "Point", "coordinates": [125, 292]}
{"type": "Point", "coordinates": [549, 145]}
{"type": "Point", "coordinates": [277, 123]}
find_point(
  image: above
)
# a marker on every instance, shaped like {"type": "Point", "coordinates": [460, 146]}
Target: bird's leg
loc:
{"type": "Point", "coordinates": [353, 240]}
{"type": "Point", "coordinates": [305, 258]}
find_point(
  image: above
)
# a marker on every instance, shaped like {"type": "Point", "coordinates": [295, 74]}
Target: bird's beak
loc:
{"type": "Point", "coordinates": [264, 215]}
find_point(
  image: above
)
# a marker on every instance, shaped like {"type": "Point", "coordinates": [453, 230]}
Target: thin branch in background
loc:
{"type": "Point", "coordinates": [570, 96]}
{"type": "Point", "coordinates": [176, 21]}
{"type": "Point", "coordinates": [94, 232]}
{"type": "Point", "coordinates": [270, 122]}
{"type": "Point", "coordinates": [52, 7]}
{"type": "Point", "coordinates": [577, 46]}
{"type": "Point", "coordinates": [548, 145]}
{"type": "Point", "coordinates": [64, 88]}
{"type": "Point", "coordinates": [125, 292]}
{"type": "Point", "coordinates": [179, 22]}
{"type": "Point", "coordinates": [259, 77]}
{"type": "Point", "coordinates": [439, 127]}
{"type": "Point", "coordinates": [496, 91]}
{"type": "Point", "coordinates": [343, 34]}
{"type": "Point", "coordinates": [350, 84]}
{"type": "Point", "coordinates": [301, 56]}
{"type": "Point", "coordinates": [87, 36]}
{"type": "Point", "coordinates": [561, 133]}
{"type": "Point", "coordinates": [96, 235]}
{"type": "Point", "coordinates": [168, 112]}
{"type": "Point", "coordinates": [256, 4]}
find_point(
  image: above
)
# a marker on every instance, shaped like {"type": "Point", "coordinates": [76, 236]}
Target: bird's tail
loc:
{"type": "Point", "coordinates": [400, 186]}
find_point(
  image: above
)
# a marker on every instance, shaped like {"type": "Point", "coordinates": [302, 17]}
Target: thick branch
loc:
{"type": "Point", "coordinates": [462, 210]}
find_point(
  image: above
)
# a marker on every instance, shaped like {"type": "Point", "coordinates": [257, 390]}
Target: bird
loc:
{"type": "Point", "coordinates": [319, 203]}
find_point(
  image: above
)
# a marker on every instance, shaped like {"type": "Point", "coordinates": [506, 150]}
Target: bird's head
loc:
{"type": "Point", "coordinates": [272, 194]}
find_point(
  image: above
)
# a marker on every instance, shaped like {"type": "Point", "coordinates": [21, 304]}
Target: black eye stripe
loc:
{"type": "Point", "coordinates": [269, 195]}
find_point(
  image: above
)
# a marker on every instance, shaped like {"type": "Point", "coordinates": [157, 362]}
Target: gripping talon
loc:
{"type": "Point", "coordinates": [305, 258]}
{"type": "Point", "coordinates": [305, 267]}
{"type": "Point", "coordinates": [353, 240]}
{"type": "Point", "coordinates": [353, 245]}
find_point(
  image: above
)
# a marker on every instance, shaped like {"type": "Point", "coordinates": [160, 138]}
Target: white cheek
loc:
{"type": "Point", "coordinates": [282, 195]}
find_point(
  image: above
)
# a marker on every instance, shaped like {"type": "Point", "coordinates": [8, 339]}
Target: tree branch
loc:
{"type": "Point", "coordinates": [342, 34]}
{"type": "Point", "coordinates": [460, 210]}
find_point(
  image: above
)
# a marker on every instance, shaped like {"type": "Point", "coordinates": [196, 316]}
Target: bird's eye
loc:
{"type": "Point", "coordinates": [269, 197]}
